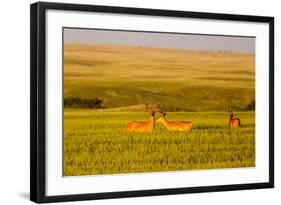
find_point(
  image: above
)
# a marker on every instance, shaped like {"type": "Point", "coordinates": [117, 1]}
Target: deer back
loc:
{"type": "Point", "coordinates": [141, 126]}
{"type": "Point", "coordinates": [234, 122]}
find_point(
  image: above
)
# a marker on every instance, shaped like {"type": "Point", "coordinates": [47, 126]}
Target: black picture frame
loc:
{"type": "Point", "coordinates": [38, 104]}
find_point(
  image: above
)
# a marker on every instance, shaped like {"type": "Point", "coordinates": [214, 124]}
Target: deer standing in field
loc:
{"type": "Point", "coordinates": [144, 126]}
{"type": "Point", "coordinates": [233, 121]}
{"type": "Point", "coordinates": [174, 125]}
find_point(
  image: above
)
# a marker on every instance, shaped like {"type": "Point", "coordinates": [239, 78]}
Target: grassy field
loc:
{"type": "Point", "coordinates": [97, 142]}
{"type": "Point", "coordinates": [199, 86]}
{"type": "Point", "coordinates": [179, 80]}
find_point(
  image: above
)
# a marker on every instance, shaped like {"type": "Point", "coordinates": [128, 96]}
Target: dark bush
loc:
{"type": "Point", "coordinates": [251, 105]}
{"type": "Point", "coordinates": [76, 102]}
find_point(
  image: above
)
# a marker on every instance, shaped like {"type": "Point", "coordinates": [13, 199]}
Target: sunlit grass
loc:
{"type": "Point", "coordinates": [98, 143]}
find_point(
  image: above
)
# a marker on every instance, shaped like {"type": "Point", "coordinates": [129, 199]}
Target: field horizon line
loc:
{"type": "Point", "coordinates": [158, 48]}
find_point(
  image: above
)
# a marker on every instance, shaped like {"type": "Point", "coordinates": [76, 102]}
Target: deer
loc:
{"type": "Point", "coordinates": [174, 125]}
{"type": "Point", "coordinates": [233, 121]}
{"type": "Point", "coordinates": [145, 126]}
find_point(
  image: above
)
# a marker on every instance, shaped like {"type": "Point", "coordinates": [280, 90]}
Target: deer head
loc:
{"type": "Point", "coordinates": [230, 113]}
{"type": "Point", "coordinates": [162, 114]}
{"type": "Point", "coordinates": [152, 109]}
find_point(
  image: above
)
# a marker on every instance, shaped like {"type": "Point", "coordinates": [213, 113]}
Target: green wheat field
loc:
{"type": "Point", "coordinates": [106, 86]}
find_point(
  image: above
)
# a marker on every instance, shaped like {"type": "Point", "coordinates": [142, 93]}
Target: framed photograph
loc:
{"type": "Point", "coordinates": [129, 102]}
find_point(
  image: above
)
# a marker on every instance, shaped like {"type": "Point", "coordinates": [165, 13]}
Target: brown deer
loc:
{"type": "Point", "coordinates": [233, 121]}
{"type": "Point", "coordinates": [144, 126]}
{"type": "Point", "coordinates": [174, 125]}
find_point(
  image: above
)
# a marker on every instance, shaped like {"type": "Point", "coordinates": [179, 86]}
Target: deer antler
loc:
{"type": "Point", "coordinates": [153, 108]}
